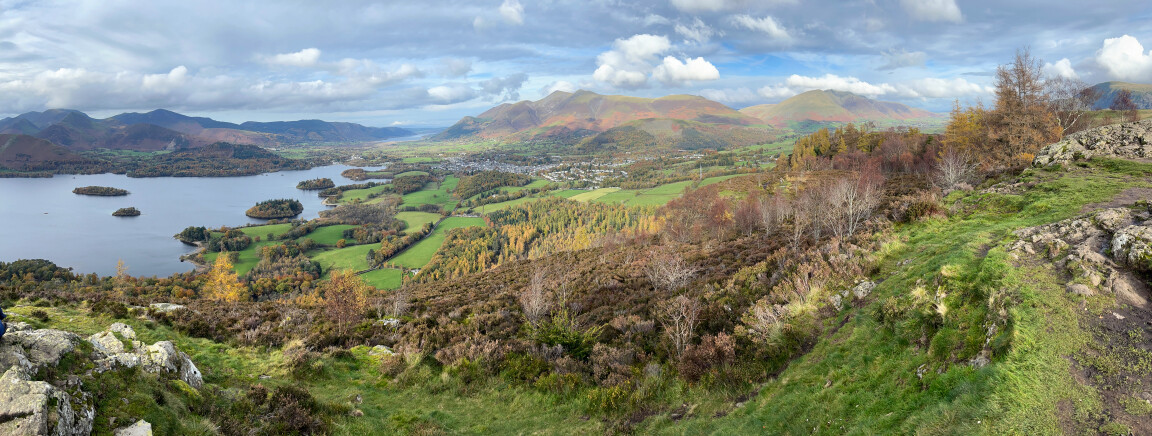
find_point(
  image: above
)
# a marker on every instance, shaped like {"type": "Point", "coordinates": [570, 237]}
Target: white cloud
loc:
{"type": "Point", "coordinates": [766, 25]}
{"type": "Point", "coordinates": [165, 82]}
{"type": "Point", "coordinates": [673, 71]}
{"type": "Point", "coordinates": [303, 58]}
{"type": "Point", "coordinates": [920, 88]}
{"type": "Point", "coordinates": [933, 10]}
{"type": "Point", "coordinates": [1062, 68]}
{"type": "Point", "coordinates": [1124, 59]}
{"type": "Point", "coordinates": [454, 67]}
{"type": "Point", "coordinates": [448, 94]}
{"type": "Point", "coordinates": [504, 88]}
{"type": "Point", "coordinates": [559, 85]}
{"type": "Point", "coordinates": [697, 32]}
{"type": "Point", "coordinates": [628, 63]}
{"type": "Point", "coordinates": [730, 96]}
{"type": "Point", "coordinates": [837, 83]}
{"type": "Point", "coordinates": [724, 5]}
{"type": "Point", "coordinates": [903, 58]}
{"type": "Point", "coordinates": [512, 11]}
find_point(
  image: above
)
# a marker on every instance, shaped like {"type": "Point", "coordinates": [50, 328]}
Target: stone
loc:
{"type": "Point", "coordinates": [140, 428]}
{"type": "Point", "coordinates": [164, 357]}
{"type": "Point", "coordinates": [862, 289]}
{"type": "Point", "coordinates": [837, 301]}
{"type": "Point", "coordinates": [1114, 219]}
{"type": "Point", "coordinates": [43, 348]}
{"type": "Point", "coordinates": [1128, 140]}
{"type": "Point", "coordinates": [37, 408]}
{"type": "Point", "coordinates": [123, 329]}
{"type": "Point", "coordinates": [166, 307]}
{"type": "Point", "coordinates": [1132, 246]}
{"type": "Point", "coordinates": [106, 343]}
{"type": "Point", "coordinates": [380, 350]}
{"type": "Point", "coordinates": [1080, 289]}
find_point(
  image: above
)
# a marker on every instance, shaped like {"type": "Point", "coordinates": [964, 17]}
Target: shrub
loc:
{"type": "Point", "coordinates": [562, 329]}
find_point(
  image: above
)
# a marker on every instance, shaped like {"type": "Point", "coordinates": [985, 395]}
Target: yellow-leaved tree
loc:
{"type": "Point", "coordinates": [345, 299]}
{"type": "Point", "coordinates": [223, 285]}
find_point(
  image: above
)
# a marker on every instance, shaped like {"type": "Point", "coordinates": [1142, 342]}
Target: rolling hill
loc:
{"type": "Point", "coordinates": [23, 153]}
{"type": "Point", "coordinates": [1141, 94]}
{"type": "Point", "coordinates": [166, 130]}
{"type": "Point", "coordinates": [835, 107]}
{"type": "Point", "coordinates": [626, 121]}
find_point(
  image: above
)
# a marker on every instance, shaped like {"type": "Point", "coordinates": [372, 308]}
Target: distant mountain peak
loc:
{"type": "Point", "coordinates": [833, 106]}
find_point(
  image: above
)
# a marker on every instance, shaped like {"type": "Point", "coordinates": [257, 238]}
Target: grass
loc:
{"type": "Point", "coordinates": [329, 235]}
{"type": "Point", "coordinates": [488, 208]}
{"type": "Point", "coordinates": [354, 258]}
{"type": "Point", "coordinates": [421, 159]}
{"type": "Point", "coordinates": [419, 254]}
{"type": "Point", "coordinates": [384, 278]}
{"type": "Point", "coordinates": [592, 195]}
{"type": "Point", "coordinates": [864, 377]}
{"type": "Point", "coordinates": [353, 195]}
{"type": "Point", "coordinates": [412, 173]}
{"type": "Point", "coordinates": [416, 220]}
{"type": "Point", "coordinates": [434, 193]}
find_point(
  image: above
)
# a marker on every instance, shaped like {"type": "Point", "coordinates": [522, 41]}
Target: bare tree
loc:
{"type": "Point", "coordinates": [399, 300]}
{"type": "Point", "coordinates": [774, 211]}
{"type": "Point", "coordinates": [668, 271]}
{"type": "Point", "coordinates": [764, 321]}
{"type": "Point", "coordinates": [534, 300]}
{"type": "Point", "coordinates": [1123, 103]}
{"type": "Point", "coordinates": [679, 316]}
{"type": "Point", "coordinates": [804, 210]}
{"type": "Point", "coordinates": [952, 169]}
{"type": "Point", "coordinates": [1070, 100]}
{"type": "Point", "coordinates": [850, 201]}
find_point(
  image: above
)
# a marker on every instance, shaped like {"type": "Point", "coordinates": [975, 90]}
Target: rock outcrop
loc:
{"type": "Point", "coordinates": [1127, 141]}
{"type": "Point", "coordinates": [1101, 251]}
{"type": "Point", "coordinates": [58, 405]}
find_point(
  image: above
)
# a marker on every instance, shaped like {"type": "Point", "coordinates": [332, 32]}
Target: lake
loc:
{"type": "Point", "coordinates": [43, 219]}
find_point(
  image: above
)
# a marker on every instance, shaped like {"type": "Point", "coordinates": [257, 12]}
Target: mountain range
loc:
{"type": "Point", "coordinates": [166, 130]}
{"type": "Point", "coordinates": [835, 107]}
{"type": "Point", "coordinates": [1141, 94]}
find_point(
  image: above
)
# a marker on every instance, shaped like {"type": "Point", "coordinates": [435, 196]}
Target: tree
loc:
{"type": "Point", "coordinates": [953, 168]}
{"type": "Point", "coordinates": [1021, 122]}
{"type": "Point", "coordinates": [223, 285]}
{"type": "Point", "coordinates": [1123, 103]}
{"type": "Point", "coordinates": [1070, 100]}
{"type": "Point", "coordinates": [679, 317]}
{"type": "Point", "coordinates": [534, 299]}
{"type": "Point", "coordinates": [668, 271]}
{"type": "Point", "coordinates": [345, 299]}
{"type": "Point", "coordinates": [850, 201]}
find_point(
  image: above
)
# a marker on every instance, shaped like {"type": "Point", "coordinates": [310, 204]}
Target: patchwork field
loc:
{"type": "Point", "coordinates": [418, 255]}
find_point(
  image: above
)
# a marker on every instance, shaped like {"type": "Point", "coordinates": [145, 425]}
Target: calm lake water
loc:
{"type": "Point", "coordinates": [43, 219]}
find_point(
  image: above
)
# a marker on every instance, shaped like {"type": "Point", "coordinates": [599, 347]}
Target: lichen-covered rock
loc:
{"type": "Point", "coordinates": [107, 343]}
{"type": "Point", "coordinates": [1128, 140]}
{"type": "Point", "coordinates": [1132, 246]}
{"type": "Point", "coordinates": [164, 357]}
{"type": "Point", "coordinates": [862, 289]}
{"type": "Point", "coordinates": [43, 348]}
{"type": "Point", "coordinates": [380, 350]}
{"type": "Point", "coordinates": [140, 428]}
{"type": "Point", "coordinates": [123, 329]}
{"type": "Point", "coordinates": [1080, 289]}
{"type": "Point", "coordinates": [165, 307]}
{"type": "Point", "coordinates": [37, 408]}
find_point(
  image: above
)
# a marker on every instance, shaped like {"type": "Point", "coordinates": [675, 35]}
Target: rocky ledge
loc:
{"type": "Point", "coordinates": [1127, 141]}
{"type": "Point", "coordinates": [59, 405]}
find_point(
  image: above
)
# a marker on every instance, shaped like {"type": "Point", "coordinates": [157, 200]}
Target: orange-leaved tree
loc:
{"type": "Point", "coordinates": [223, 285]}
{"type": "Point", "coordinates": [345, 299]}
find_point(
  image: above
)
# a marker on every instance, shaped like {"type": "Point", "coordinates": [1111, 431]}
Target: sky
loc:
{"type": "Point", "coordinates": [429, 62]}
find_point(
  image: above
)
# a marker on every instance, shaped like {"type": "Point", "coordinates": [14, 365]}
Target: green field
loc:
{"type": "Point", "coordinates": [354, 258]}
{"type": "Point", "coordinates": [421, 159]}
{"type": "Point", "coordinates": [412, 173]}
{"type": "Point", "coordinates": [434, 193]}
{"type": "Point", "coordinates": [419, 254]}
{"type": "Point", "coordinates": [592, 195]}
{"type": "Point", "coordinates": [361, 194]}
{"type": "Point", "coordinates": [250, 256]}
{"type": "Point", "coordinates": [328, 235]}
{"type": "Point", "coordinates": [657, 196]}
{"type": "Point", "coordinates": [384, 278]}
{"type": "Point", "coordinates": [415, 220]}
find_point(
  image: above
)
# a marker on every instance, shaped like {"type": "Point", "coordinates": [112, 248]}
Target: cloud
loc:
{"type": "Point", "coordinates": [303, 58]}
{"type": "Point", "coordinates": [903, 58]}
{"type": "Point", "coordinates": [1124, 59]}
{"type": "Point", "coordinates": [504, 88]}
{"type": "Point", "coordinates": [919, 88]}
{"type": "Point", "coordinates": [165, 82]}
{"type": "Point", "coordinates": [559, 85]}
{"type": "Point", "coordinates": [1062, 68]}
{"type": "Point", "coordinates": [697, 32]}
{"type": "Point", "coordinates": [512, 12]}
{"type": "Point", "coordinates": [730, 96]}
{"type": "Point", "coordinates": [448, 94]}
{"type": "Point", "coordinates": [766, 25]}
{"type": "Point", "coordinates": [673, 71]}
{"type": "Point", "coordinates": [933, 10]}
{"type": "Point", "coordinates": [724, 5]}
{"type": "Point", "coordinates": [837, 83]}
{"type": "Point", "coordinates": [628, 63]}
{"type": "Point", "coordinates": [454, 67]}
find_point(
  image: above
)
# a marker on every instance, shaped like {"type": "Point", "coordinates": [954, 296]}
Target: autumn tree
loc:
{"type": "Point", "coordinates": [535, 300]}
{"type": "Point", "coordinates": [967, 129]}
{"type": "Point", "coordinates": [223, 285]}
{"type": "Point", "coordinates": [669, 271]}
{"type": "Point", "coordinates": [1070, 101]}
{"type": "Point", "coordinates": [849, 201]}
{"type": "Point", "coordinates": [1123, 103]}
{"type": "Point", "coordinates": [953, 168]}
{"type": "Point", "coordinates": [1021, 122]}
{"type": "Point", "coordinates": [679, 317]}
{"type": "Point", "coordinates": [345, 299]}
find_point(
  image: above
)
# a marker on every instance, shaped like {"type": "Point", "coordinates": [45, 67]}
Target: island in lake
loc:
{"type": "Point", "coordinates": [274, 209]}
{"type": "Point", "coordinates": [314, 184]}
{"type": "Point", "coordinates": [126, 211]}
{"type": "Point", "coordinates": [102, 191]}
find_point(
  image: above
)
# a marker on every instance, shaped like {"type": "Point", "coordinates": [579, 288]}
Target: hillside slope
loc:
{"type": "Point", "coordinates": [834, 106]}
{"type": "Point", "coordinates": [570, 116]}
{"type": "Point", "coordinates": [23, 153]}
{"type": "Point", "coordinates": [1141, 94]}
